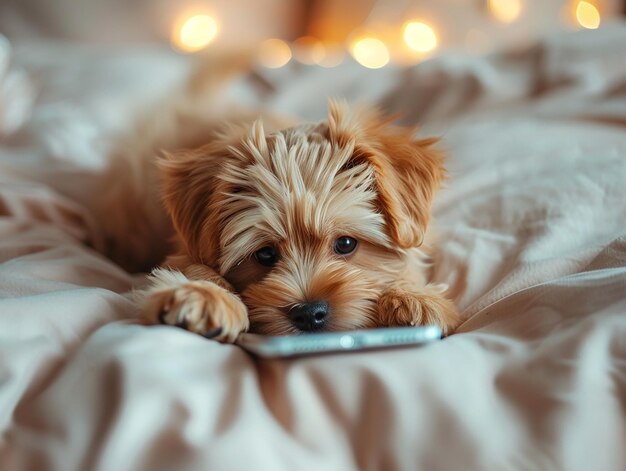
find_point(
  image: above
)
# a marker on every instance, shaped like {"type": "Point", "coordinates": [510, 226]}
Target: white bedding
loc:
{"type": "Point", "coordinates": [532, 237]}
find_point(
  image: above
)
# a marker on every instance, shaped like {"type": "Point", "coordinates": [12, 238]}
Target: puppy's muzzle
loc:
{"type": "Point", "coordinates": [310, 316]}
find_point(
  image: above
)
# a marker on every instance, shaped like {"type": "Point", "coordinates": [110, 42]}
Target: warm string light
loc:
{"type": "Point", "coordinates": [334, 55]}
{"type": "Point", "coordinates": [587, 15]}
{"type": "Point", "coordinates": [370, 52]}
{"type": "Point", "coordinates": [274, 53]}
{"type": "Point", "coordinates": [197, 31]}
{"type": "Point", "coordinates": [506, 11]}
{"type": "Point", "coordinates": [194, 33]}
{"type": "Point", "coordinates": [309, 50]}
{"type": "Point", "coordinates": [419, 36]}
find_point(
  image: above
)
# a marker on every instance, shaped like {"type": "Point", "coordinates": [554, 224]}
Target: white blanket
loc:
{"type": "Point", "coordinates": [532, 238]}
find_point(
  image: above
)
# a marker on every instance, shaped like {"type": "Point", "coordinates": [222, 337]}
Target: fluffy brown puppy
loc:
{"type": "Point", "coordinates": [317, 227]}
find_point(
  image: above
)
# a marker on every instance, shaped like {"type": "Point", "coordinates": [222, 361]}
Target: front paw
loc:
{"type": "Point", "coordinates": [199, 306]}
{"type": "Point", "coordinates": [398, 307]}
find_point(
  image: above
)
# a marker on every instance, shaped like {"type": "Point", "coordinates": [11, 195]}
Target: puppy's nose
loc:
{"type": "Point", "coordinates": [309, 316]}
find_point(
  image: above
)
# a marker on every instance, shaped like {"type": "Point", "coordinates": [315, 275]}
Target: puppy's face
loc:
{"type": "Point", "coordinates": [309, 224]}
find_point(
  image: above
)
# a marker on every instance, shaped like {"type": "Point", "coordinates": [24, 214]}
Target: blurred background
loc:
{"type": "Point", "coordinates": [323, 32]}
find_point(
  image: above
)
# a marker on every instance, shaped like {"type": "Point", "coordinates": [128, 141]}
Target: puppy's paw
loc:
{"type": "Point", "coordinates": [199, 306]}
{"type": "Point", "coordinates": [398, 307]}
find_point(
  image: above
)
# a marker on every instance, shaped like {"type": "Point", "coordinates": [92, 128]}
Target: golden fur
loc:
{"type": "Point", "coordinates": [298, 189]}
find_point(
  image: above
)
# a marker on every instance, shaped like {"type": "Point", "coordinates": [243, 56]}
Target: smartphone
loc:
{"type": "Point", "coordinates": [349, 341]}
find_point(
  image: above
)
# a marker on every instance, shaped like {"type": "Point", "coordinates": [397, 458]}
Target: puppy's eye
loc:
{"type": "Point", "coordinates": [266, 256]}
{"type": "Point", "coordinates": [345, 245]}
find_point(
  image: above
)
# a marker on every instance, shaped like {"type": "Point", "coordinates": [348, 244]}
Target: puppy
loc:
{"type": "Point", "coordinates": [309, 228]}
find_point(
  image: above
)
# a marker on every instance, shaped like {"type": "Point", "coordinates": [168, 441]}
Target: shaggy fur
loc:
{"type": "Point", "coordinates": [240, 186]}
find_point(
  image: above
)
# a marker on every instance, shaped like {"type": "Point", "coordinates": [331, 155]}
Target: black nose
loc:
{"type": "Point", "coordinates": [309, 316]}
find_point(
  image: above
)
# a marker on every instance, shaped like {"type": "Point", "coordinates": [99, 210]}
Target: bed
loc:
{"type": "Point", "coordinates": [532, 242]}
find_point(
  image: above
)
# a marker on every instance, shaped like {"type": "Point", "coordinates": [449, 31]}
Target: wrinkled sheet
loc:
{"type": "Point", "coordinates": [532, 239]}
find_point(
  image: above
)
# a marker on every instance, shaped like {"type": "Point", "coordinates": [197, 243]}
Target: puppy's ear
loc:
{"type": "Point", "coordinates": [408, 171]}
{"type": "Point", "coordinates": [191, 192]}
{"type": "Point", "coordinates": [194, 194]}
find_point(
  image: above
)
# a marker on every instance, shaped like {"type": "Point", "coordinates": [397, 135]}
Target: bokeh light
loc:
{"type": "Point", "coordinates": [334, 55]}
{"type": "Point", "coordinates": [309, 50]}
{"type": "Point", "coordinates": [587, 15]}
{"type": "Point", "coordinates": [419, 36]}
{"type": "Point", "coordinates": [274, 53]}
{"type": "Point", "coordinates": [194, 33]}
{"type": "Point", "coordinates": [370, 52]}
{"type": "Point", "coordinates": [506, 11]}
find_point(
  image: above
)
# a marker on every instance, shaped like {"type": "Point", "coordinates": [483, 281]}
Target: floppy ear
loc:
{"type": "Point", "coordinates": [188, 186]}
{"type": "Point", "coordinates": [408, 171]}
{"type": "Point", "coordinates": [194, 194]}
